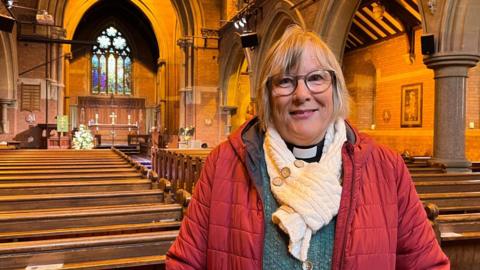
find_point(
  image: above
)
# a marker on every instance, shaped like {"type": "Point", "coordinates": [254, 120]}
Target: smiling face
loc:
{"type": "Point", "coordinates": [302, 118]}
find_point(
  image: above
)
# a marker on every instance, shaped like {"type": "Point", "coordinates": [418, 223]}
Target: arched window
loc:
{"type": "Point", "coordinates": [111, 64]}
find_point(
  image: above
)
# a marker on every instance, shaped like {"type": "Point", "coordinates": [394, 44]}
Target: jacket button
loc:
{"type": "Point", "coordinates": [277, 181]}
{"type": "Point", "coordinates": [285, 172]}
{"type": "Point", "coordinates": [298, 163]}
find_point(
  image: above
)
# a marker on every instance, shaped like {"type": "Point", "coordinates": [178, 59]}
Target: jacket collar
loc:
{"type": "Point", "coordinates": [249, 137]}
{"type": "Point", "coordinates": [247, 142]}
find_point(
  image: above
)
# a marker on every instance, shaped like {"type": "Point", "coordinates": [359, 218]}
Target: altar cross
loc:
{"type": "Point", "coordinates": [113, 115]}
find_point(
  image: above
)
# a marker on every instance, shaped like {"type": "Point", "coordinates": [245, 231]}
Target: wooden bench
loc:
{"type": "Point", "coordinates": [78, 250]}
{"type": "Point", "coordinates": [81, 211]}
{"type": "Point", "coordinates": [178, 170]}
{"type": "Point", "coordinates": [43, 223]}
{"type": "Point", "coordinates": [460, 239]}
{"type": "Point", "coordinates": [423, 170]}
{"type": "Point", "coordinates": [453, 201]}
{"type": "Point", "coordinates": [447, 186]}
{"type": "Point", "coordinates": [82, 186]}
{"type": "Point", "coordinates": [475, 166]}
{"type": "Point", "coordinates": [65, 200]}
{"type": "Point", "coordinates": [445, 177]}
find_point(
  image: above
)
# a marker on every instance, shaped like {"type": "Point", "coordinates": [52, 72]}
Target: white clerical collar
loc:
{"type": "Point", "coordinates": [305, 153]}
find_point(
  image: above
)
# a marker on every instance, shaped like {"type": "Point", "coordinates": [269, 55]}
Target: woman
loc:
{"type": "Point", "coordinates": [299, 188]}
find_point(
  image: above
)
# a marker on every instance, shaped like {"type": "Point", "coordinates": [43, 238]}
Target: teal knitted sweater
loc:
{"type": "Point", "coordinates": [275, 249]}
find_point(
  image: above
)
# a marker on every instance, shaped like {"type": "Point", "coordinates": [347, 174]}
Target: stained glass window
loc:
{"type": "Point", "coordinates": [111, 64]}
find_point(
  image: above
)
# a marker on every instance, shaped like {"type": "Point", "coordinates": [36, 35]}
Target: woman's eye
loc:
{"type": "Point", "coordinates": [285, 82]}
{"type": "Point", "coordinates": [316, 78]}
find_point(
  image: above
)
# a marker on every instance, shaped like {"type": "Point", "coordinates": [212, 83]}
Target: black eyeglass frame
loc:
{"type": "Point", "coordinates": [304, 78]}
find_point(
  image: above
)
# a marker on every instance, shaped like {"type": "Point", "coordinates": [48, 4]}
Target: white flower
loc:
{"type": "Point", "coordinates": [83, 138]}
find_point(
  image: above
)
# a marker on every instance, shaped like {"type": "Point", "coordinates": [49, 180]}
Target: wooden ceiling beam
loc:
{"type": "Point", "coordinates": [412, 4]}
{"type": "Point", "coordinates": [355, 30]}
{"type": "Point", "coordinates": [375, 22]}
{"type": "Point", "coordinates": [400, 13]}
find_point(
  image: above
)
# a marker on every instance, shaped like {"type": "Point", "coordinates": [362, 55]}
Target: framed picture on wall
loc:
{"type": "Point", "coordinates": [412, 103]}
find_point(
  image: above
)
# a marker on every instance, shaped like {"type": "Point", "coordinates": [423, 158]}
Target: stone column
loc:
{"type": "Point", "coordinates": [451, 71]}
{"type": "Point", "coordinates": [186, 44]}
{"type": "Point", "coordinates": [4, 124]}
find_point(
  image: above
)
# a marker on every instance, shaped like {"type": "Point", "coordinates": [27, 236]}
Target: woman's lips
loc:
{"type": "Point", "coordinates": [302, 114]}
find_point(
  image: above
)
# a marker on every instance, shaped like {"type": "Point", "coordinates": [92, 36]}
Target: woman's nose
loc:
{"type": "Point", "coordinates": [301, 92]}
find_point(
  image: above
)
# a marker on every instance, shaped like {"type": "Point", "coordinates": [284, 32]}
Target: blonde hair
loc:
{"type": "Point", "coordinates": [285, 56]}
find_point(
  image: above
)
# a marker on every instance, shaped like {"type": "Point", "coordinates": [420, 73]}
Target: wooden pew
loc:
{"type": "Point", "coordinates": [68, 186]}
{"type": "Point", "coordinates": [69, 210]}
{"type": "Point", "coordinates": [446, 186]}
{"type": "Point", "coordinates": [459, 202]}
{"type": "Point", "coordinates": [460, 234]}
{"type": "Point", "coordinates": [43, 223]}
{"type": "Point", "coordinates": [475, 166]}
{"type": "Point", "coordinates": [445, 177]}
{"type": "Point", "coordinates": [178, 171]}
{"type": "Point", "coordinates": [423, 170]}
{"type": "Point", "coordinates": [66, 200]}
{"type": "Point", "coordinates": [73, 252]}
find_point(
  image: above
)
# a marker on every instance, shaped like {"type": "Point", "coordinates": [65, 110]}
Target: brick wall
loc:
{"type": "Point", "coordinates": [392, 71]}
{"type": "Point", "coordinates": [18, 127]}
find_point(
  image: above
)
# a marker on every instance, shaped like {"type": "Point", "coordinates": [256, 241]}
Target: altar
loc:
{"type": "Point", "coordinates": [114, 134]}
{"type": "Point", "coordinates": [112, 119]}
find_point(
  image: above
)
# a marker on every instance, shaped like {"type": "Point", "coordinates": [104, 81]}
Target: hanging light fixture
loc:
{"type": "Point", "coordinates": [236, 25]}
{"type": "Point", "coordinates": [378, 10]}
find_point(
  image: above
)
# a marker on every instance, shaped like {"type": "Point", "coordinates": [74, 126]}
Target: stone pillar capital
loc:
{"type": "Point", "coordinates": [451, 64]}
{"type": "Point", "coordinates": [230, 110]}
{"type": "Point", "coordinates": [185, 42]}
{"type": "Point", "coordinates": [6, 101]}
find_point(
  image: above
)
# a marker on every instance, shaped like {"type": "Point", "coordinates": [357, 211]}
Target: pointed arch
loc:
{"type": "Point", "coordinates": [333, 22]}
{"type": "Point", "coordinates": [191, 16]}
{"type": "Point", "coordinates": [75, 10]}
{"type": "Point", "coordinates": [276, 21]}
{"type": "Point", "coordinates": [234, 59]}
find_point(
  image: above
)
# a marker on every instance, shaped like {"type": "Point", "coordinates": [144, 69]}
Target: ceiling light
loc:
{"type": "Point", "coordinates": [241, 23]}
{"type": "Point", "coordinates": [236, 25]}
{"type": "Point", "coordinates": [244, 20]}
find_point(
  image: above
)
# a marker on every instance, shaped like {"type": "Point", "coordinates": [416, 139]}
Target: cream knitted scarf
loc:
{"type": "Point", "coordinates": [308, 193]}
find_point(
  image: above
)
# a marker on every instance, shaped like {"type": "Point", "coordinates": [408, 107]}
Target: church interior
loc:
{"type": "Point", "coordinates": [154, 86]}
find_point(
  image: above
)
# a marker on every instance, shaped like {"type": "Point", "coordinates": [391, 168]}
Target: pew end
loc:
{"type": "Point", "coordinates": [183, 198]}
{"type": "Point", "coordinates": [432, 213]}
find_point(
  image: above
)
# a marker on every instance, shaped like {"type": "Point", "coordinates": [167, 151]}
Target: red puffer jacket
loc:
{"type": "Point", "coordinates": [381, 223]}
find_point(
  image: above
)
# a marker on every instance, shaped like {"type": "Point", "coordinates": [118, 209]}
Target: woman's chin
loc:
{"type": "Point", "coordinates": [302, 136]}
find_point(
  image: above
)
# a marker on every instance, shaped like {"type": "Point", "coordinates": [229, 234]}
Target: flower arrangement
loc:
{"type": "Point", "coordinates": [83, 138]}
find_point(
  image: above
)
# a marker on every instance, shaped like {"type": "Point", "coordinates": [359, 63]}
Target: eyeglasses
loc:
{"type": "Point", "coordinates": [317, 81]}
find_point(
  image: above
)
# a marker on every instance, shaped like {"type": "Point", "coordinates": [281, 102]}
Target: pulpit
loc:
{"type": "Point", "coordinates": [112, 118]}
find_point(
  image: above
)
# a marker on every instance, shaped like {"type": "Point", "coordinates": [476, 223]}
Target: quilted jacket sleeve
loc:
{"type": "Point", "coordinates": [417, 247]}
{"type": "Point", "coordinates": [189, 249]}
